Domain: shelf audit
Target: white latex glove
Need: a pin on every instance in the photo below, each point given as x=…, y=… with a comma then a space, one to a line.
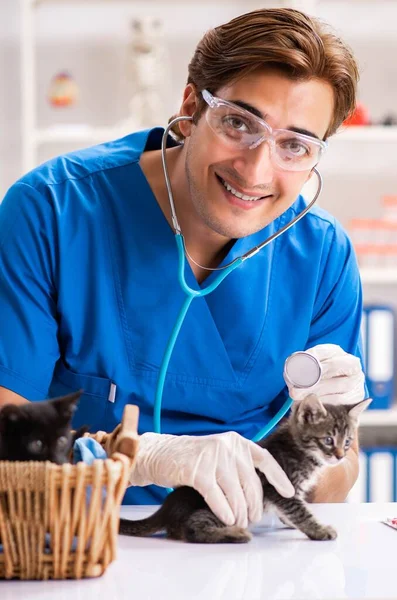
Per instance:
x=221, y=467
x=342, y=379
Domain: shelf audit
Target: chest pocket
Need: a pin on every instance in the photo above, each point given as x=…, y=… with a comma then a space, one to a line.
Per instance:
x=93, y=403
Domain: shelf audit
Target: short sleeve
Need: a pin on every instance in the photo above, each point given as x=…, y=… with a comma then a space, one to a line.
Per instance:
x=28, y=323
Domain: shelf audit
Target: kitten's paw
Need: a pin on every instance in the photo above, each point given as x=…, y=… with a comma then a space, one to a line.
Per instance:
x=332, y=534
x=324, y=533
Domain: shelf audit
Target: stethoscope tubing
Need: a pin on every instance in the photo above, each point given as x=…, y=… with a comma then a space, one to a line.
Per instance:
x=191, y=293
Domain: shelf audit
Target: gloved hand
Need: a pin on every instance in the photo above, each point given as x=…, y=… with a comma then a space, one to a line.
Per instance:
x=342, y=379
x=221, y=467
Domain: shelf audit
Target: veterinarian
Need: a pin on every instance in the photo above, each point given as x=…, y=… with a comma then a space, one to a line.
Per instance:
x=89, y=286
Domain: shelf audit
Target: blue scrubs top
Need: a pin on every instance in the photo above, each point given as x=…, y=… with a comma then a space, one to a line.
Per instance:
x=89, y=294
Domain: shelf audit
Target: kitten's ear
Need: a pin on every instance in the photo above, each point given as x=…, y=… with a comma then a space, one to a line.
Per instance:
x=9, y=414
x=310, y=410
x=356, y=409
x=66, y=405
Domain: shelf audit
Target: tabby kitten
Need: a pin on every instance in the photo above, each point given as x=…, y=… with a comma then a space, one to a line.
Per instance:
x=314, y=437
x=39, y=430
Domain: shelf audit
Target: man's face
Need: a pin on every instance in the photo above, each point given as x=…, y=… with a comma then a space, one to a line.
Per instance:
x=283, y=104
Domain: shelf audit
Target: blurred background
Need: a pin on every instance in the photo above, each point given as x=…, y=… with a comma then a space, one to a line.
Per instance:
x=79, y=72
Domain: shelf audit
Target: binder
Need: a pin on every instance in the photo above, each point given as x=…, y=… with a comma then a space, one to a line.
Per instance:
x=378, y=335
x=377, y=479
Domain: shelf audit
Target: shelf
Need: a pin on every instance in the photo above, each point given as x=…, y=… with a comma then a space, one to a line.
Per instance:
x=381, y=418
x=378, y=275
x=35, y=3
x=39, y=2
x=76, y=133
x=371, y=133
x=59, y=133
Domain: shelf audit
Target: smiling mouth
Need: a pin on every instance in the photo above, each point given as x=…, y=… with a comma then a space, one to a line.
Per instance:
x=238, y=194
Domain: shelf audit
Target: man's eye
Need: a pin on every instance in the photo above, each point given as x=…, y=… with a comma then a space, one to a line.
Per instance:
x=328, y=441
x=236, y=123
x=36, y=446
x=296, y=148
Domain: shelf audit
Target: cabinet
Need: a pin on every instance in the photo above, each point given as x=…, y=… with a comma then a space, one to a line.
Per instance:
x=360, y=166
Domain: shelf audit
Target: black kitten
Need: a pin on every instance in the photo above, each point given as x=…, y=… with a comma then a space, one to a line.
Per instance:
x=313, y=437
x=39, y=430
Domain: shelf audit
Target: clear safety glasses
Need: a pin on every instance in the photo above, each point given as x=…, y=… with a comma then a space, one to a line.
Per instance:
x=241, y=129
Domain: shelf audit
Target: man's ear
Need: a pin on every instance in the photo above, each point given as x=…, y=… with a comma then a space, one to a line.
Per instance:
x=188, y=108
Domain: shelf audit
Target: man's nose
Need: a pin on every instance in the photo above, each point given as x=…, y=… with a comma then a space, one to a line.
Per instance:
x=255, y=165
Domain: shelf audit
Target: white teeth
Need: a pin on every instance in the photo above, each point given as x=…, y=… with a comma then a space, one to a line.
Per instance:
x=237, y=194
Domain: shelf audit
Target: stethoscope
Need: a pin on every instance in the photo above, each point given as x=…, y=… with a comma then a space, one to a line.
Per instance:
x=300, y=369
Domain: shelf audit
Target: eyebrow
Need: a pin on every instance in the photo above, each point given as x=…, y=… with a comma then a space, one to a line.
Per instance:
x=258, y=113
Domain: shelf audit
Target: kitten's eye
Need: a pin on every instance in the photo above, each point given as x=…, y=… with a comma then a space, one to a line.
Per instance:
x=348, y=442
x=36, y=446
x=62, y=442
x=328, y=441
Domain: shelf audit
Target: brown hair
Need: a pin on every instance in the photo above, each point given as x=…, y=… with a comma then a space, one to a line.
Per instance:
x=284, y=39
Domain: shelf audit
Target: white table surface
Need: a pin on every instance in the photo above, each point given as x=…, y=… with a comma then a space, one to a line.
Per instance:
x=278, y=564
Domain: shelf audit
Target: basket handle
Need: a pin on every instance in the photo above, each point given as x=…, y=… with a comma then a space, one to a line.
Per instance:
x=127, y=440
x=124, y=438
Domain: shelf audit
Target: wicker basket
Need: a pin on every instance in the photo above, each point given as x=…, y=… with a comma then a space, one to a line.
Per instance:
x=61, y=521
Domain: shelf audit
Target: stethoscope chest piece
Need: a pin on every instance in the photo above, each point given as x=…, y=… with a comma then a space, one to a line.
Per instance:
x=302, y=370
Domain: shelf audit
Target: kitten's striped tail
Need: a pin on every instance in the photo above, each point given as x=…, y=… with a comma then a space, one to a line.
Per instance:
x=143, y=527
